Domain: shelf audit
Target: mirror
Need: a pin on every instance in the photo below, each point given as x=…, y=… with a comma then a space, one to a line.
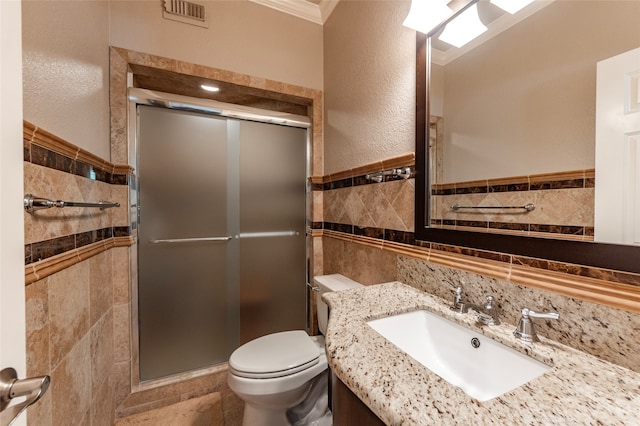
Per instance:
x=513, y=122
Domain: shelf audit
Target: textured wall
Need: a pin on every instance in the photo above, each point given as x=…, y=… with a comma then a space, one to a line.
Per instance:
x=369, y=83
x=524, y=103
x=66, y=56
x=66, y=70
x=242, y=37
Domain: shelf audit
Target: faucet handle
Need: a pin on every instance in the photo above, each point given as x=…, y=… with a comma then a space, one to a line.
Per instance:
x=458, y=304
x=488, y=313
x=525, y=330
x=532, y=314
x=489, y=305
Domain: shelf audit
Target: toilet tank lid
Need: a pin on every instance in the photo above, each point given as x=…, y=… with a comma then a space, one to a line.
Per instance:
x=335, y=282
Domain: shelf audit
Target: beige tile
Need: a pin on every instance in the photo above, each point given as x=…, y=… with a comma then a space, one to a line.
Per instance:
x=120, y=215
x=333, y=255
x=37, y=326
x=369, y=265
x=71, y=385
x=101, y=335
x=39, y=414
x=100, y=285
x=318, y=257
x=233, y=408
x=122, y=381
x=403, y=204
x=121, y=333
x=119, y=152
x=318, y=206
x=353, y=208
x=147, y=396
x=198, y=386
x=202, y=411
x=102, y=406
x=54, y=184
x=120, y=270
x=68, y=309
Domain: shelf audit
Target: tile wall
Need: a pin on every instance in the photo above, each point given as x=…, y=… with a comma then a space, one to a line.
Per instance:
x=600, y=309
x=78, y=298
x=74, y=264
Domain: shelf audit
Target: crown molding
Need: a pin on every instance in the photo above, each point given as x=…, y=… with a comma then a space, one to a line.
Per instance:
x=304, y=9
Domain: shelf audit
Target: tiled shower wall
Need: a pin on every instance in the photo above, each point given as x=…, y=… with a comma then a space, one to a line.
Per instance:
x=76, y=270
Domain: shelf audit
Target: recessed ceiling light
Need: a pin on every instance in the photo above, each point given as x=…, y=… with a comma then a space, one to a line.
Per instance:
x=209, y=88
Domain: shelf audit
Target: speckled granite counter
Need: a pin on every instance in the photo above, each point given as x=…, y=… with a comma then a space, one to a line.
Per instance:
x=579, y=389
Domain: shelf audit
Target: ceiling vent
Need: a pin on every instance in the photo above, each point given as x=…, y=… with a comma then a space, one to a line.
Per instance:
x=185, y=11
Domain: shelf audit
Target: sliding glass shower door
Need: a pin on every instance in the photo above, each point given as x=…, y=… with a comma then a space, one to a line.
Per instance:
x=221, y=244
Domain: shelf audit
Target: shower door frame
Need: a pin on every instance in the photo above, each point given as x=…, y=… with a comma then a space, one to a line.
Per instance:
x=137, y=97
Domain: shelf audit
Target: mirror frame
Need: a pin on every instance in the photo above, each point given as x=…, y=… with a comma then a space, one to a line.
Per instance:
x=587, y=253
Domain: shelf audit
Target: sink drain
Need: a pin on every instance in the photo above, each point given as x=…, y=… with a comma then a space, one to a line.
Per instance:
x=475, y=342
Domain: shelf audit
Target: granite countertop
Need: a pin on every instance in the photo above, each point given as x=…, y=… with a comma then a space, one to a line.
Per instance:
x=578, y=389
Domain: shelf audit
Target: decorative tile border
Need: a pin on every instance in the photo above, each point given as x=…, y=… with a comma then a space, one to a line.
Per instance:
x=358, y=176
x=408, y=239
x=552, y=231
x=42, y=250
x=611, y=288
x=44, y=149
x=539, y=182
x=39, y=270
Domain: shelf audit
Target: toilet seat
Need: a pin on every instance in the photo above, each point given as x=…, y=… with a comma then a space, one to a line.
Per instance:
x=275, y=355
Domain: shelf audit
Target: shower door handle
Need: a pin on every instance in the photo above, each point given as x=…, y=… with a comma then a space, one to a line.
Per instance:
x=268, y=234
x=190, y=240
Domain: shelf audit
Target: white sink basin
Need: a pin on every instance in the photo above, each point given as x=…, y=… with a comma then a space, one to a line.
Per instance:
x=446, y=348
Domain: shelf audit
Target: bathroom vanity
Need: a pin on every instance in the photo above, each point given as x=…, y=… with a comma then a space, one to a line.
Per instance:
x=578, y=388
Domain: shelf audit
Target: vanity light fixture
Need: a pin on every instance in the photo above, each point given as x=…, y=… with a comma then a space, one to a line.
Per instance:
x=209, y=88
x=463, y=28
x=511, y=6
x=425, y=15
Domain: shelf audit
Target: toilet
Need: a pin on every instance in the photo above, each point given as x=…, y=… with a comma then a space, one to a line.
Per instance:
x=274, y=372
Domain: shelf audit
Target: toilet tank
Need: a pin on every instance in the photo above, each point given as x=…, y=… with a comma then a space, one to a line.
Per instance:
x=327, y=283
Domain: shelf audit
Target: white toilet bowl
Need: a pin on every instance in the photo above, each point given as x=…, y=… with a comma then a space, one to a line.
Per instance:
x=268, y=395
x=275, y=372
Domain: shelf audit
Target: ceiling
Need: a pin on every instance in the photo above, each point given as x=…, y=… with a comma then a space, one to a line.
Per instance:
x=317, y=11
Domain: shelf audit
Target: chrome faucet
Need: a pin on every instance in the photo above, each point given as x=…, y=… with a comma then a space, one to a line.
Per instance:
x=487, y=313
x=459, y=304
x=525, y=330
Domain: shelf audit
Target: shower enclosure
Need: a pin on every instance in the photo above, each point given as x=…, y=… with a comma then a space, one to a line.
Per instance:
x=221, y=235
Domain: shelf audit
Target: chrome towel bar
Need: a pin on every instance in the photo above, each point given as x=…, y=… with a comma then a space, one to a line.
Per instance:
x=33, y=203
x=528, y=207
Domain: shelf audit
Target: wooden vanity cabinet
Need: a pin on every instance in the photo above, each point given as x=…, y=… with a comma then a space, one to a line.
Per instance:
x=347, y=408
